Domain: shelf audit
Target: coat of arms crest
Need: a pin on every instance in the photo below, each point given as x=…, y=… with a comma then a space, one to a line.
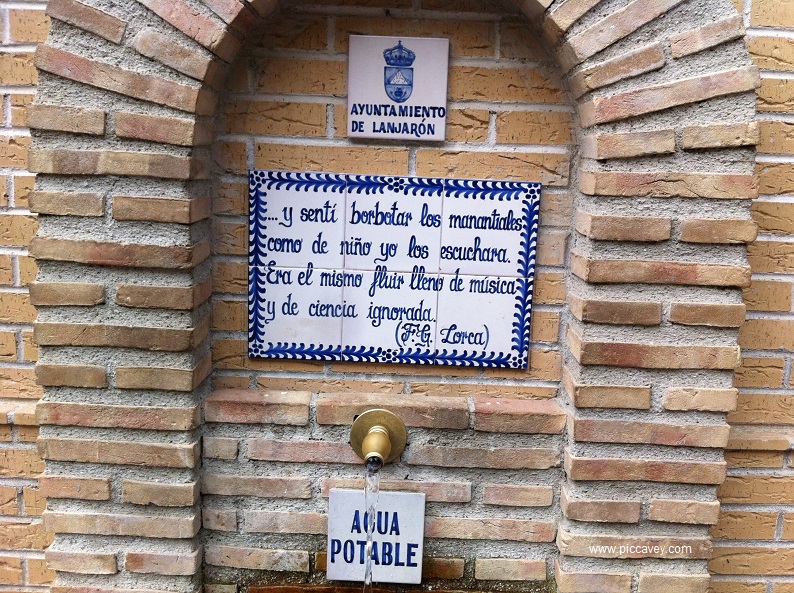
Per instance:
x=398, y=77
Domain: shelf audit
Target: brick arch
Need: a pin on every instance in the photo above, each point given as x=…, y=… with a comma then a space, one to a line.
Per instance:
x=121, y=142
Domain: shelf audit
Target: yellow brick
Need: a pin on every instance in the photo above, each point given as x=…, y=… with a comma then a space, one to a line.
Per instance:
x=772, y=13
x=317, y=77
x=774, y=217
x=534, y=127
x=467, y=125
x=776, y=95
x=20, y=463
x=518, y=42
x=16, y=308
x=17, y=229
x=13, y=149
x=8, y=346
x=549, y=169
x=335, y=159
x=550, y=288
x=231, y=156
x=466, y=38
x=773, y=53
x=10, y=570
x=269, y=117
x=745, y=525
x=8, y=500
x=39, y=573
x=30, y=352
x=34, y=502
x=473, y=83
x=17, y=69
x=286, y=30
x=777, y=137
x=759, y=372
x=28, y=26
x=23, y=185
x=775, y=178
x=19, y=384
x=6, y=277
x=27, y=270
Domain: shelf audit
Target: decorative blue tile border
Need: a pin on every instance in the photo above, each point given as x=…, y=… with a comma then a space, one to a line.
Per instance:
x=299, y=222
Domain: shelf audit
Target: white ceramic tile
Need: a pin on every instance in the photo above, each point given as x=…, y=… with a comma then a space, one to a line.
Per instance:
x=296, y=218
x=393, y=222
x=396, y=318
x=483, y=321
x=295, y=313
x=487, y=226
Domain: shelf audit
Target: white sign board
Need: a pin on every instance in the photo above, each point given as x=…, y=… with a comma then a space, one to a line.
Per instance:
x=397, y=543
x=397, y=88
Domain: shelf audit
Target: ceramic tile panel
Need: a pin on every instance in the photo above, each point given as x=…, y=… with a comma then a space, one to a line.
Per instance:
x=391, y=269
x=394, y=222
x=295, y=219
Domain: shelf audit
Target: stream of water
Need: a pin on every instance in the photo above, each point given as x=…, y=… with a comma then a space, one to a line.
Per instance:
x=371, y=491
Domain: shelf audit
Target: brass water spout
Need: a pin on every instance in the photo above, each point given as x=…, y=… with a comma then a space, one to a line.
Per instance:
x=378, y=435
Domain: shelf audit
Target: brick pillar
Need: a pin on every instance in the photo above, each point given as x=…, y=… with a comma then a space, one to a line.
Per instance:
x=120, y=144
x=656, y=267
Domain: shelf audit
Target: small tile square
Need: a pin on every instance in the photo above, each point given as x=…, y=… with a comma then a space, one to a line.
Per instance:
x=483, y=321
x=296, y=218
x=393, y=222
x=487, y=225
x=396, y=319
x=295, y=313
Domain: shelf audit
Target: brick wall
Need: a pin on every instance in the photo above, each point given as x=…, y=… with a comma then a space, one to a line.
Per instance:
x=121, y=480
x=755, y=526
x=22, y=534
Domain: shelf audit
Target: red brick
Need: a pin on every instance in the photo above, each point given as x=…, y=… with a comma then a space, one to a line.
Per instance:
x=517, y=496
x=183, y=211
x=680, y=583
x=87, y=18
x=615, y=312
x=195, y=25
x=617, y=25
x=123, y=81
x=647, y=356
x=119, y=336
x=171, y=564
x=258, y=558
x=602, y=511
x=167, y=50
x=67, y=203
x=518, y=416
x=684, y=511
x=709, y=314
x=700, y=398
x=218, y=519
x=651, y=470
x=220, y=448
x=509, y=569
x=607, y=396
x=164, y=379
x=63, y=118
x=596, y=430
x=62, y=161
x=71, y=375
x=726, y=231
x=564, y=14
x=663, y=96
x=257, y=486
x=623, y=546
x=719, y=135
x=433, y=491
x=119, y=452
x=707, y=36
x=163, y=297
x=301, y=451
x=626, y=271
x=52, y=486
x=489, y=528
x=163, y=129
x=81, y=562
x=285, y=522
x=585, y=582
x=487, y=458
x=158, y=494
x=623, y=228
x=125, y=525
x=258, y=407
x=626, y=65
x=668, y=184
x=418, y=411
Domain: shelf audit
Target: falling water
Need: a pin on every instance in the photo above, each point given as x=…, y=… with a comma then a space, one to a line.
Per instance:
x=371, y=491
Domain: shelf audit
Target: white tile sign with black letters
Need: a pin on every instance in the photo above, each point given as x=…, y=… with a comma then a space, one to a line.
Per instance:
x=397, y=88
x=397, y=542
x=391, y=269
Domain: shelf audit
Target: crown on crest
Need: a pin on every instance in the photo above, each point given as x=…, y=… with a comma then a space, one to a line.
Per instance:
x=399, y=55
